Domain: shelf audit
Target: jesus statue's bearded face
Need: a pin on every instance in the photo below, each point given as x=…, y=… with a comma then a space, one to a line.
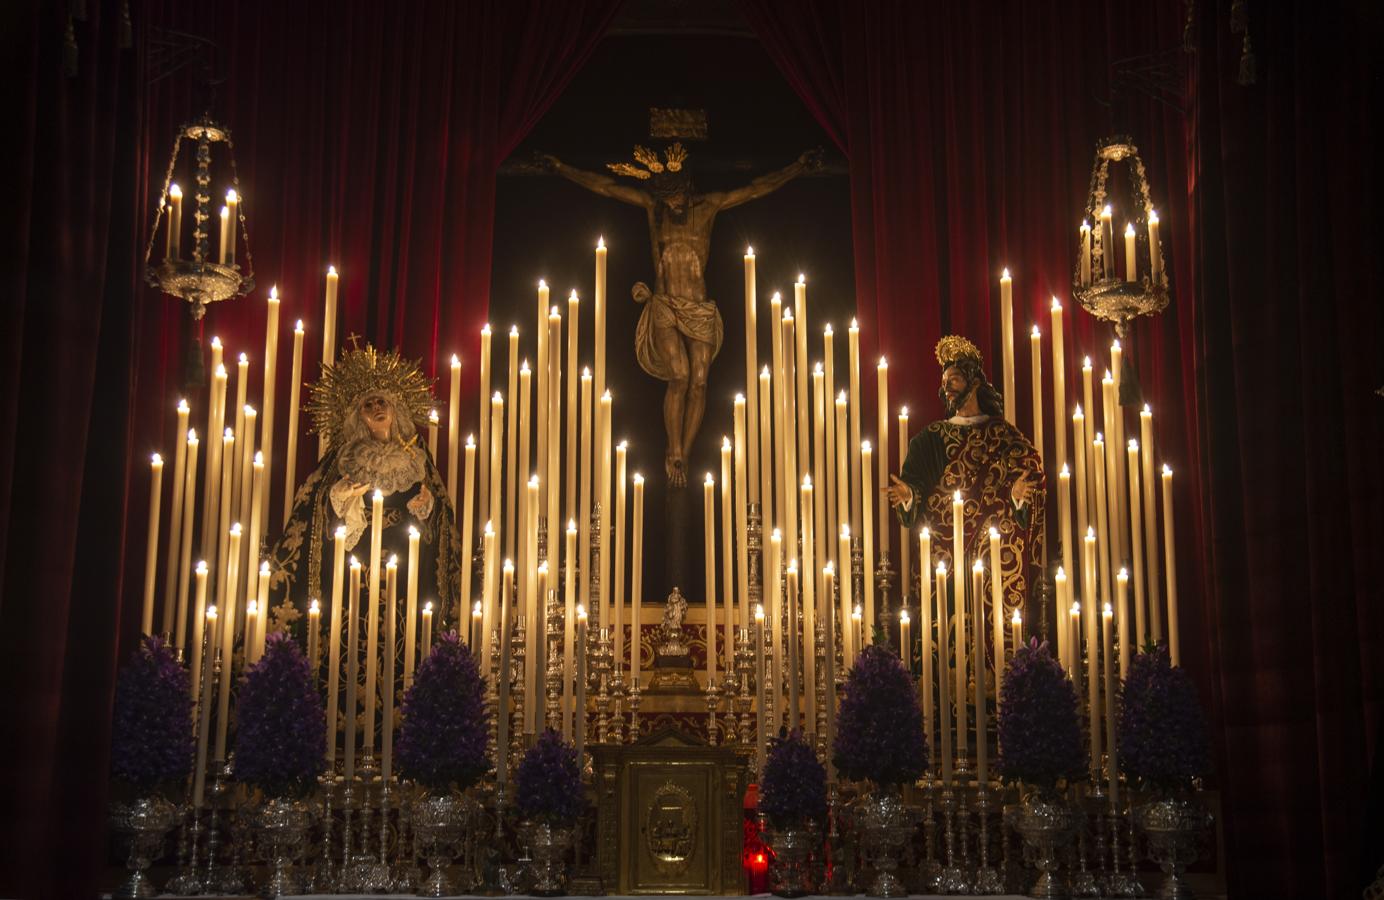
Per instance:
x=956, y=387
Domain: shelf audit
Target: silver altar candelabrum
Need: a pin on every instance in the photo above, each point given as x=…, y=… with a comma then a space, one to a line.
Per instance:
x=517, y=654
x=635, y=700
x=1118, y=883
x=554, y=615
x=988, y=879
x=932, y=869
x=712, y=702
x=954, y=878
x=884, y=581
x=602, y=668
x=617, y=706
x=744, y=668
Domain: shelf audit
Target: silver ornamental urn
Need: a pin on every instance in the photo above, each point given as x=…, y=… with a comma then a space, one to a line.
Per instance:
x=885, y=824
x=790, y=872
x=548, y=845
x=1173, y=826
x=1045, y=822
x=281, y=824
x=146, y=821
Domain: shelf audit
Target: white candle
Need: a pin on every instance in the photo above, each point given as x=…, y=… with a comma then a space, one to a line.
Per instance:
x=554, y=444
x=1074, y=624
x=391, y=618
x=867, y=539
x=584, y=510
x=751, y=367
x=1059, y=385
x=352, y=667
x=485, y=514
x=329, y=338
x=996, y=607
x=904, y=645
x=809, y=610
x=604, y=461
x=829, y=676
x=506, y=631
x=172, y=572
x=271, y=367
x=1136, y=546
x=509, y=521
x=1112, y=748
x=334, y=640
x=761, y=711
x=489, y=613
x=800, y=368
x=1088, y=601
x=223, y=704
x=453, y=433
x=600, y=320
x=959, y=586
x=569, y=626
x=372, y=631
x=1102, y=518
x=834, y=515
x=199, y=781
x=1016, y=625
x=925, y=619
x=621, y=527
x=727, y=558
x=468, y=504
x=978, y=611
x=849, y=650
x=185, y=546
x=294, y=392
x=1085, y=253
x=211, y=479
x=853, y=348
x=1064, y=505
x=1155, y=250
x=1155, y=608
x=882, y=460
x=534, y=631
x=580, y=725
x=764, y=437
x=1107, y=245
x=411, y=607
x=1083, y=492
x=636, y=577
x=709, y=520
x=789, y=422
x=905, y=546
x=1061, y=626
x=542, y=373
x=224, y=522
x=1007, y=337
x=257, y=480
x=199, y=632
x=497, y=442
x=1170, y=565
x=221, y=251
x=1122, y=604
x=525, y=564
x=794, y=643
x=573, y=409
x=1131, y=266
x=822, y=529
x=742, y=498
x=263, y=599
x=232, y=223
x=773, y=583
x=427, y=629
x=1035, y=341
x=151, y=553
x=175, y=222
x=944, y=674
x=242, y=385
x=314, y=637
x=843, y=485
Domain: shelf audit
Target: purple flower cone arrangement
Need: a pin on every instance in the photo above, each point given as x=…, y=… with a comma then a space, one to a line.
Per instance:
x=793, y=788
x=280, y=727
x=1040, y=740
x=548, y=782
x=1161, y=731
x=879, y=727
x=152, y=736
x=442, y=743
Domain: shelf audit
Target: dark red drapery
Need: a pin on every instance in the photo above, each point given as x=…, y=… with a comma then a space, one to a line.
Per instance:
x=367, y=135
x=969, y=130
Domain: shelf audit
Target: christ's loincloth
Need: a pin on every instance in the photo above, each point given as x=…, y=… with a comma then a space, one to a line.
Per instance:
x=698, y=320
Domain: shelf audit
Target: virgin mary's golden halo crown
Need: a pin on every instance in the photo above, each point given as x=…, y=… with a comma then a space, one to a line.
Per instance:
x=361, y=372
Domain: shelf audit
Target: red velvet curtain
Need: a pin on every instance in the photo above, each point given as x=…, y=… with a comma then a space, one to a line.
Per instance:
x=969, y=130
x=366, y=135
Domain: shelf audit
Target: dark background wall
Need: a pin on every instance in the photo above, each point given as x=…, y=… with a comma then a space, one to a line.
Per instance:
x=546, y=227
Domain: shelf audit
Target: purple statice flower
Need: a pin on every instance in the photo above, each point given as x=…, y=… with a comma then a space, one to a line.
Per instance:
x=281, y=731
x=442, y=743
x=794, y=785
x=1039, y=728
x=151, y=733
x=548, y=782
x=1161, y=731
x=879, y=727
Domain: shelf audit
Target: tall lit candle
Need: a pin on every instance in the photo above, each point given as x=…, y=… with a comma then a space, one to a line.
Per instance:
x=295, y=385
x=959, y=580
x=257, y=480
x=1107, y=244
x=943, y=674
x=216, y=423
x=185, y=544
x=834, y=516
x=1016, y=626
x=334, y=640
x=843, y=484
x=800, y=366
x=996, y=606
x=584, y=509
x=1122, y=604
x=742, y=499
x=1035, y=342
x=764, y=438
x=489, y=612
x=554, y=467
x=468, y=522
x=569, y=625
x=1061, y=626
x=794, y=635
x=925, y=619
x=372, y=630
x=329, y=338
x=202, y=640
x=1085, y=253
x=809, y=610
x=882, y=458
x=246, y=438
x=905, y=546
x=175, y=222
x=1083, y=492
x=775, y=436
x=789, y=469
x=1074, y=626
x=509, y=522
x=271, y=368
x=225, y=235
x=1155, y=250
x=172, y=572
x=232, y=225
x=853, y=361
x=494, y=504
x=1064, y=505
x=1114, y=526
x=573, y=407
x=1102, y=517
x=978, y=613
x=262, y=598
x=453, y=430
x=1136, y=546
x=427, y=629
x=752, y=438
x=773, y=581
x=224, y=523
x=227, y=626
x=849, y=650
x=506, y=631
x=760, y=682
x=727, y=558
x=1059, y=385
x=542, y=372
x=867, y=539
x=829, y=676
x=242, y=387
x=434, y=423
x=599, y=329
x=314, y=635
x=621, y=527
x=1131, y=266
x=709, y=521
x=531, y=606
x=1170, y=565
x=1117, y=447
x=208, y=627
x=636, y=577
x=1088, y=404
x=580, y=725
x=604, y=467
x=1088, y=603
x=822, y=529
x=1007, y=338
x=352, y=668
x=411, y=606
x=1112, y=748
x=1155, y=609
x=523, y=466
x=151, y=554
x=484, y=514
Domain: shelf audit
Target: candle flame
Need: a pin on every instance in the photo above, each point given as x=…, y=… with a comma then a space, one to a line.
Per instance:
x=228, y=435
x=297, y=328
x=788, y=314
x=211, y=612
x=543, y=568
x=776, y=298
x=1100, y=439
x=856, y=613
x=903, y=412
x=994, y=535
x=524, y=367
x=485, y=330
x=883, y=363
x=476, y=610
x=865, y=447
x=264, y=569
x=1105, y=212
x=764, y=372
x=807, y=481
x=1061, y=574
x=341, y=532
x=1133, y=445
x=855, y=326
x=818, y=370
x=827, y=330
x=508, y=567
x=1018, y=618
x=977, y=567
x=725, y=443
x=1167, y=471
x=749, y=251
x=841, y=397
x=1108, y=378
x=331, y=271
x=1056, y=304
x=622, y=446
x=792, y=567
x=573, y=298
x=845, y=531
x=1036, y=332
x=456, y=360
x=585, y=372
x=245, y=358
x=427, y=608
x=1075, y=610
x=1124, y=574
x=739, y=399
x=514, y=331
x=413, y=531
x=1108, y=612
x=941, y=569
x=433, y=417
x=174, y=191
x=600, y=242
x=533, y=481
x=606, y=397
x=183, y=407
x=777, y=535
x=497, y=397
x=638, y=480
x=759, y=612
x=1078, y=413
x=571, y=526
x=1153, y=216
x=581, y=612
x=232, y=196
x=956, y=496
x=274, y=294
x=235, y=530
x=1147, y=411
x=471, y=441
x=253, y=608
x=1004, y=276
x=379, y=495
x=542, y=285
x=554, y=314
x=1090, y=532
x=201, y=567
x=156, y=460
x=1115, y=346
x=215, y=342
x=927, y=532
x=1086, y=224
x=355, y=563
x=1086, y=363
x=802, y=279
x=192, y=435
x=221, y=371
x=314, y=608
x=829, y=569
x=1129, y=229
x=1065, y=473
x=393, y=562
x=225, y=212
x=903, y=617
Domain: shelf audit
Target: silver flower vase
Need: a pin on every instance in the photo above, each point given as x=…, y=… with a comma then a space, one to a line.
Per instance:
x=885, y=824
x=281, y=825
x=146, y=821
x=1173, y=827
x=1046, y=823
x=548, y=845
x=438, y=821
x=790, y=872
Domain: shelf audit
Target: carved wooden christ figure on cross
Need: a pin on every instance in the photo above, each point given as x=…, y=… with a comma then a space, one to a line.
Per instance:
x=680, y=330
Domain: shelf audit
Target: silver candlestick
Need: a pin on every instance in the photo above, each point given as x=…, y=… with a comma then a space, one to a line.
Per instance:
x=954, y=879
x=988, y=880
x=711, y=704
x=635, y=700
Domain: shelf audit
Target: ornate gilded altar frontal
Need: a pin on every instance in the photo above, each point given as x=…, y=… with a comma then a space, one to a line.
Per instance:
x=669, y=816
